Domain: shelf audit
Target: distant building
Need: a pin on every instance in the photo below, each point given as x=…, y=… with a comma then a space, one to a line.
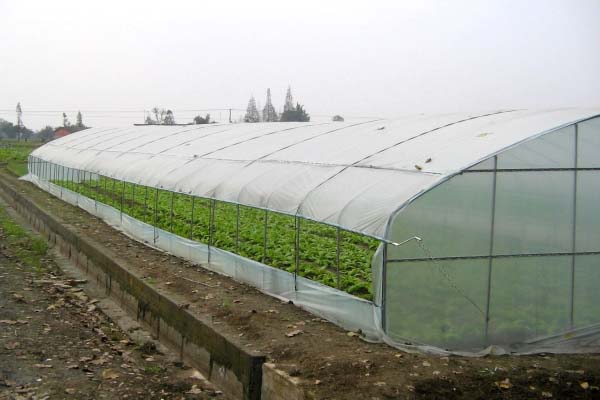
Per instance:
x=61, y=132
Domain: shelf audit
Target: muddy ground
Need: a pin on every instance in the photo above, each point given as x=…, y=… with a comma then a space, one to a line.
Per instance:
x=331, y=363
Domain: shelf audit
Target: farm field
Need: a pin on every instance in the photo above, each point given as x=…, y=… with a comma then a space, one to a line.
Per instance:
x=14, y=154
x=241, y=230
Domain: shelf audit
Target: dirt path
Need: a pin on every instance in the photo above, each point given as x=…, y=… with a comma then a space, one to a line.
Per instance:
x=331, y=363
x=55, y=344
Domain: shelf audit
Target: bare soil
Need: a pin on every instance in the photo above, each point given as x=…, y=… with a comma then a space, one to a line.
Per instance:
x=331, y=363
x=56, y=344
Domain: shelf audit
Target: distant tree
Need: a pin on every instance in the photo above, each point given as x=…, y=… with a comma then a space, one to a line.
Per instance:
x=66, y=122
x=252, y=114
x=79, y=125
x=159, y=114
x=45, y=134
x=7, y=129
x=337, y=118
x=161, y=117
x=289, y=100
x=169, y=118
x=269, y=113
x=199, y=120
x=296, y=114
x=20, y=125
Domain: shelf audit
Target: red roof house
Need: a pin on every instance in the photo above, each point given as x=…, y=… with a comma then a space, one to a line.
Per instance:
x=61, y=132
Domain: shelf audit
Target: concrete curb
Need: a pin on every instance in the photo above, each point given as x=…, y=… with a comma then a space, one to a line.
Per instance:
x=235, y=370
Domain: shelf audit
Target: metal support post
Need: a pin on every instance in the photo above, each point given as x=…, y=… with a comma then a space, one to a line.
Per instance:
x=266, y=222
x=338, y=253
x=237, y=228
x=297, y=252
x=122, y=198
x=155, y=214
x=211, y=227
x=192, y=218
x=171, y=215
x=574, y=234
x=491, y=252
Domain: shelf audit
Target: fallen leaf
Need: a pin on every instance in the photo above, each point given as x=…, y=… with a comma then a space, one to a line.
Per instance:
x=42, y=365
x=426, y=364
x=109, y=374
x=293, y=333
x=546, y=395
x=19, y=298
x=11, y=345
x=70, y=391
x=584, y=385
x=194, y=390
x=352, y=334
x=504, y=384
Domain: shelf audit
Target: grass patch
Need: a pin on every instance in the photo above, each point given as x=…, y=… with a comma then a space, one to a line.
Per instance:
x=29, y=248
x=153, y=369
x=14, y=155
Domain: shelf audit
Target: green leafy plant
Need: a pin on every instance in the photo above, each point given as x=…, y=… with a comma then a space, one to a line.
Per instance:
x=241, y=230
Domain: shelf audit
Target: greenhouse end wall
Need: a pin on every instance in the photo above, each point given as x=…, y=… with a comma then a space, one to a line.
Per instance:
x=510, y=252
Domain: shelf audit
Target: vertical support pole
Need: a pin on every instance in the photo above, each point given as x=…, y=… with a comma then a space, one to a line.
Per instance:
x=113, y=192
x=106, y=195
x=384, y=264
x=192, y=219
x=133, y=202
x=338, y=253
x=62, y=172
x=490, y=253
x=210, y=226
x=237, y=228
x=171, y=215
x=122, y=198
x=97, y=190
x=574, y=233
x=145, y=202
x=297, y=253
x=155, y=213
x=266, y=222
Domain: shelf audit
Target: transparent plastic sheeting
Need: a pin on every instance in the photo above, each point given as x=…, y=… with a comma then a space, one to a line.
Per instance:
x=352, y=175
x=334, y=305
x=509, y=252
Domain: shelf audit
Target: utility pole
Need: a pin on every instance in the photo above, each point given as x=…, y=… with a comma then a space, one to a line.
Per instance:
x=230, y=115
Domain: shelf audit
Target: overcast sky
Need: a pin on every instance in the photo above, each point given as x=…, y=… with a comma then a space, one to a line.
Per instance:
x=355, y=58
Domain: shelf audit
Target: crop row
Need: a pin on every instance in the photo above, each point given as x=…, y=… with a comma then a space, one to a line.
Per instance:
x=326, y=254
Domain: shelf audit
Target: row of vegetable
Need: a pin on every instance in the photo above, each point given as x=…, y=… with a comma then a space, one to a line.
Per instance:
x=322, y=253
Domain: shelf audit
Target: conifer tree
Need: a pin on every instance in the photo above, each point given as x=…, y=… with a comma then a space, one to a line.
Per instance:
x=269, y=113
x=79, y=121
x=252, y=114
x=289, y=100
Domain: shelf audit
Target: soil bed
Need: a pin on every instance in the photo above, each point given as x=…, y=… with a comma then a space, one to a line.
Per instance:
x=331, y=363
x=55, y=343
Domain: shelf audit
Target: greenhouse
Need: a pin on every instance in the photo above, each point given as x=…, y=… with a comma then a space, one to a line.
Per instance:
x=465, y=233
